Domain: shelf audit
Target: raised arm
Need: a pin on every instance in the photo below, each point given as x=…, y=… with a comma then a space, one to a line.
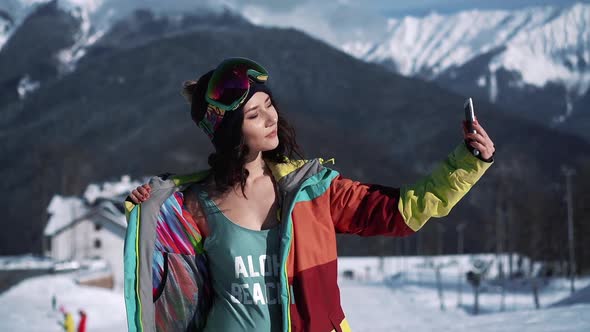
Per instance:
x=370, y=209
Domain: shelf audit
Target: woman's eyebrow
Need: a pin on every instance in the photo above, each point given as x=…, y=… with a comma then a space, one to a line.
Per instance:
x=255, y=107
x=252, y=108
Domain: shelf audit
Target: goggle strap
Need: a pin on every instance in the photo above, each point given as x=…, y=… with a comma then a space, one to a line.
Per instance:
x=259, y=76
x=211, y=120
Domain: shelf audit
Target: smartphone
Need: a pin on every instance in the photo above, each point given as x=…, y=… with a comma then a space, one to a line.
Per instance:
x=470, y=117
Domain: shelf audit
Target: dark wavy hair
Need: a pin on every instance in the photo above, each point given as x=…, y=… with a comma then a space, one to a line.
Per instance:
x=227, y=162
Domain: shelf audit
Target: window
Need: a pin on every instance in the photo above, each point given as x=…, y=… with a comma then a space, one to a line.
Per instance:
x=97, y=227
x=97, y=243
x=48, y=241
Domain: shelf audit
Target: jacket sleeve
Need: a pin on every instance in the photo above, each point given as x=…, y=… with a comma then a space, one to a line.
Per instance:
x=130, y=205
x=370, y=209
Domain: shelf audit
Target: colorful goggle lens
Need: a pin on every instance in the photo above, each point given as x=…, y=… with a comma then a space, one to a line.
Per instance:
x=230, y=82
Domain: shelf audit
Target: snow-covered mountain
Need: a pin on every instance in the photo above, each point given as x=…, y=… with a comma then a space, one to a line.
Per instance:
x=96, y=17
x=533, y=61
x=123, y=86
x=541, y=44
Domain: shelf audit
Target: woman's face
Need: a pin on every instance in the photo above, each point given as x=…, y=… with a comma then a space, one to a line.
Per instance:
x=260, y=123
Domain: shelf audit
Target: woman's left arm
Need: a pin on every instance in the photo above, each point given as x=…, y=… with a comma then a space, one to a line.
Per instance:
x=369, y=209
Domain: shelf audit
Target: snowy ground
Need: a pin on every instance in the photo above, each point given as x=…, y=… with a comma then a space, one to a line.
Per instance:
x=27, y=306
x=400, y=294
x=375, y=308
x=373, y=301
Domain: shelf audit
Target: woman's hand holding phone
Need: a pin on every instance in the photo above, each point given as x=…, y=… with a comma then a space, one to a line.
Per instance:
x=475, y=135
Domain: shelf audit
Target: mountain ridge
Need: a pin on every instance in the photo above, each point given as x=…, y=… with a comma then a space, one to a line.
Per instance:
x=120, y=112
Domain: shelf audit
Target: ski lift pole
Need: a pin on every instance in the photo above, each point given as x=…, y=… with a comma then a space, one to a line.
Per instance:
x=569, y=172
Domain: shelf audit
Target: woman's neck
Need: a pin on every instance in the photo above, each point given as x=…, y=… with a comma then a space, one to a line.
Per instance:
x=256, y=167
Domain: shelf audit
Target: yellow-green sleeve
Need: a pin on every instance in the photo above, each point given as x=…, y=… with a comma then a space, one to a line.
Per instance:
x=436, y=194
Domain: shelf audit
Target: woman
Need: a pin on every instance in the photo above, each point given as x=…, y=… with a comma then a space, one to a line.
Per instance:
x=250, y=244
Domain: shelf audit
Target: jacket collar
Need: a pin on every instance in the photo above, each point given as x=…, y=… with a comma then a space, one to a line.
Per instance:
x=279, y=170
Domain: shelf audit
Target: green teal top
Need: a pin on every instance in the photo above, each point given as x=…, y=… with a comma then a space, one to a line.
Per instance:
x=244, y=266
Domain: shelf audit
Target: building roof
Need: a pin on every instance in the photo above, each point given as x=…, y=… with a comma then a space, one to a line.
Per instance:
x=100, y=203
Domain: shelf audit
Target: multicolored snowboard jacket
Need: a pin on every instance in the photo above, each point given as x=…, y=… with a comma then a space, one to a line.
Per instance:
x=166, y=278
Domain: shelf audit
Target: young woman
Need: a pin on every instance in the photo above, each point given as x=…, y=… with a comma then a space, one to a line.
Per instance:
x=250, y=243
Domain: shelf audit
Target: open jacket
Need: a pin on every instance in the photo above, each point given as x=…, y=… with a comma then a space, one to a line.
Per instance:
x=166, y=277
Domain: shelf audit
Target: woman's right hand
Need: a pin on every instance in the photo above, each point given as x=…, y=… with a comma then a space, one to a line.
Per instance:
x=141, y=194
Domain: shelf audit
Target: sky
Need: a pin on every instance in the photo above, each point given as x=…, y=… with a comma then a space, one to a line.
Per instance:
x=416, y=7
x=390, y=8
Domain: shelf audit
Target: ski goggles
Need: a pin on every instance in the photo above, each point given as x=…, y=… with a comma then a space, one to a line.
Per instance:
x=230, y=83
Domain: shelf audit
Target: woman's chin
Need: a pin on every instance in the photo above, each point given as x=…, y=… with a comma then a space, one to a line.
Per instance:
x=273, y=143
